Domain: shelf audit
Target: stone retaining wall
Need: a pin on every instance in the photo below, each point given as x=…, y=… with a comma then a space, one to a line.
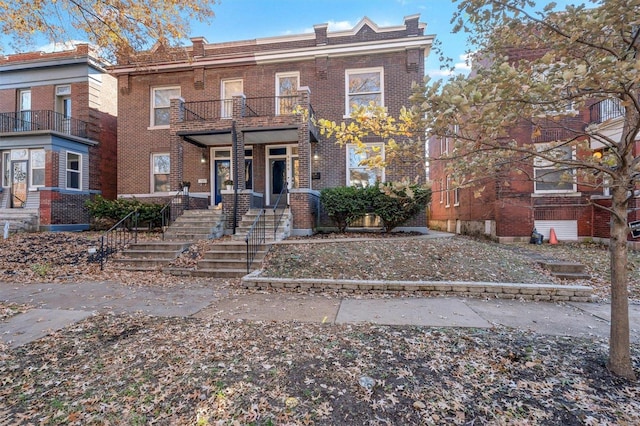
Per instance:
x=546, y=292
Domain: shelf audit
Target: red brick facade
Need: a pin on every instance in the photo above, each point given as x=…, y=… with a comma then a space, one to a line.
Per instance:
x=197, y=131
x=509, y=212
x=72, y=111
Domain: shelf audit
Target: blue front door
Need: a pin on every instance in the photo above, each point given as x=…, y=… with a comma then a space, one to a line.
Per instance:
x=223, y=172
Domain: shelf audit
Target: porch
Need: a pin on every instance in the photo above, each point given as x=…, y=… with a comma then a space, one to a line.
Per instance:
x=252, y=151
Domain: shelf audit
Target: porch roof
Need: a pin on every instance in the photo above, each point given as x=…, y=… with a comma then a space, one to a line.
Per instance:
x=252, y=136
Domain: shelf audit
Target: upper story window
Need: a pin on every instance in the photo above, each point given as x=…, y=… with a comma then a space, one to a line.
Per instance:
x=74, y=170
x=358, y=174
x=287, y=85
x=363, y=86
x=230, y=88
x=160, y=103
x=550, y=177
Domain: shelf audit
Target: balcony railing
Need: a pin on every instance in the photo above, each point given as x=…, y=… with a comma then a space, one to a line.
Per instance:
x=604, y=110
x=251, y=107
x=28, y=121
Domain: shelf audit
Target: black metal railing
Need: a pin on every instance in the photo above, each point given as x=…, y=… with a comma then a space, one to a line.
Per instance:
x=207, y=110
x=255, y=238
x=173, y=210
x=270, y=105
x=281, y=204
x=28, y=121
x=116, y=238
x=605, y=110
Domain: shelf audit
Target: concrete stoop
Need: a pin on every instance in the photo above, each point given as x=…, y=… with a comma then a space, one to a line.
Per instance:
x=566, y=270
x=538, y=292
x=201, y=224
x=146, y=256
x=224, y=260
x=284, y=226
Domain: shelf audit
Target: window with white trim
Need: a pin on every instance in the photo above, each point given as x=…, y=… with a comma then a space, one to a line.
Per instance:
x=456, y=196
x=37, y=167
x=229, y=89
x=287, y=85
x=447, y=192
x=362, y=87
x=74, y=170
x=550, y=177
x=6, y=168
x=358, y=174
x=441, y=190
x=160, y=169
x=160, y=103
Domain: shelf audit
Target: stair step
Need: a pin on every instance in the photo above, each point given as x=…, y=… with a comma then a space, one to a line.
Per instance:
x=142, y=263
x=564, y=267
x=159, y=246
x=212, y=273
x=571, y=275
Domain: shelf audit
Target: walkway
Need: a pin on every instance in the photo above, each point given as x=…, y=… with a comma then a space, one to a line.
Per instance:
x=59, y=305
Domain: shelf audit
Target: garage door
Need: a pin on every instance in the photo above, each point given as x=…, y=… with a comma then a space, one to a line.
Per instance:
x=566, y=230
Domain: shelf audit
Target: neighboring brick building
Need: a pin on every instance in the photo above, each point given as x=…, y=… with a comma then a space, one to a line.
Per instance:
x=510, y=206
x=57, y=135
x=208, y=113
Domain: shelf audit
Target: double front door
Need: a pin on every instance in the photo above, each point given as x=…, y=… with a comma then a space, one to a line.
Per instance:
x=281, y=170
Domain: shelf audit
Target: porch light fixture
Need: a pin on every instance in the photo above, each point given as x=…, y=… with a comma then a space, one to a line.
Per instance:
x=315, y=154
x=203, y=158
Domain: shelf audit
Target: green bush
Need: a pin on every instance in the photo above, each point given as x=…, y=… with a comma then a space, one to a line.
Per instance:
x=395, y=203
x=343, y=204
x=115, y=210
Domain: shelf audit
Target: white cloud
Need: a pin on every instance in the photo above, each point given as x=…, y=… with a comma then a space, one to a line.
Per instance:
x=461, y=67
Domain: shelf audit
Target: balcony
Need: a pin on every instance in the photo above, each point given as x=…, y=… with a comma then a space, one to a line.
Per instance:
x=249, y=107
x=44, y=120
x=604, y=110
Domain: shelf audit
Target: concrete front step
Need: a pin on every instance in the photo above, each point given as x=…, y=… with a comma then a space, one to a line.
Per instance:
x=20, y=220
x=211, y=273
x=566, y=270
x=150, y=255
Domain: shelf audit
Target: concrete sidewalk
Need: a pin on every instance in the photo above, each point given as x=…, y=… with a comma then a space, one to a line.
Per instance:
x=59, y=305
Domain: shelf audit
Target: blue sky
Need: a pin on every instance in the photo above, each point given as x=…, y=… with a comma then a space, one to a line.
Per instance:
x=248, y=19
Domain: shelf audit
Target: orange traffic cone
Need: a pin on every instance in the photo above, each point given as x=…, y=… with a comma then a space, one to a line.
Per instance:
x=552, y=237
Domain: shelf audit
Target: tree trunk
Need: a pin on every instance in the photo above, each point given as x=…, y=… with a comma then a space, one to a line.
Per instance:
x=619, y=343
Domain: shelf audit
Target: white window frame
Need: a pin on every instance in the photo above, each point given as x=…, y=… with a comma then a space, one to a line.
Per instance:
x=540, y=164
x=347, y=97
x=441, y=188
x=447, y=192
x=67, y=170
x=226, y=107
x=153, y=173
x=357, y=167
x=153, y=107
x=279, y=109
x=32, y=167
x=456, y=197
x=6, y=167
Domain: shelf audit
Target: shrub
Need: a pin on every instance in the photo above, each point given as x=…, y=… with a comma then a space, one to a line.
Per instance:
x=343, y=204
x=115, y=210
x=395, y=203
x=398, y=202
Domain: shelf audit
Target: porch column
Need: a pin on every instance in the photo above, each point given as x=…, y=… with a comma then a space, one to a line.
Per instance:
x=176, y=144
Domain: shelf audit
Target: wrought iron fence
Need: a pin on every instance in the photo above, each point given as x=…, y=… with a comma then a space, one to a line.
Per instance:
x=207, y=110
x=270, y=105
x=116, y=238
x=32, y=120
x=173, y=209
x=255, y=238
x=280, y=204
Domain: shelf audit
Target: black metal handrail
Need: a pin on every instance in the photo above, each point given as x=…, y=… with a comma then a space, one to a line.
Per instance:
x=276, y=220
x=173, y=209
x=31, y=120
x=117, y=237
x=255, y=238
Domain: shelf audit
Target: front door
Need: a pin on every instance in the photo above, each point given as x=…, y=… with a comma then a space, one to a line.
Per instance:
x=282, y=170
x=222, y=170
x=18, y=183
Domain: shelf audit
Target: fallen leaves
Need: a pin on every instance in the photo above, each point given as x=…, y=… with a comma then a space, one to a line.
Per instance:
x=183, y=371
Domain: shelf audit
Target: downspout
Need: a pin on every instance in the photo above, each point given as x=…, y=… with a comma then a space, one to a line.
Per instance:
x=234, y=140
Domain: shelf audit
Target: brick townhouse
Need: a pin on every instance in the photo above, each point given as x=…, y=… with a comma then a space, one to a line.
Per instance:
x=243, y=111
x=511, y=206
x=57, y=137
